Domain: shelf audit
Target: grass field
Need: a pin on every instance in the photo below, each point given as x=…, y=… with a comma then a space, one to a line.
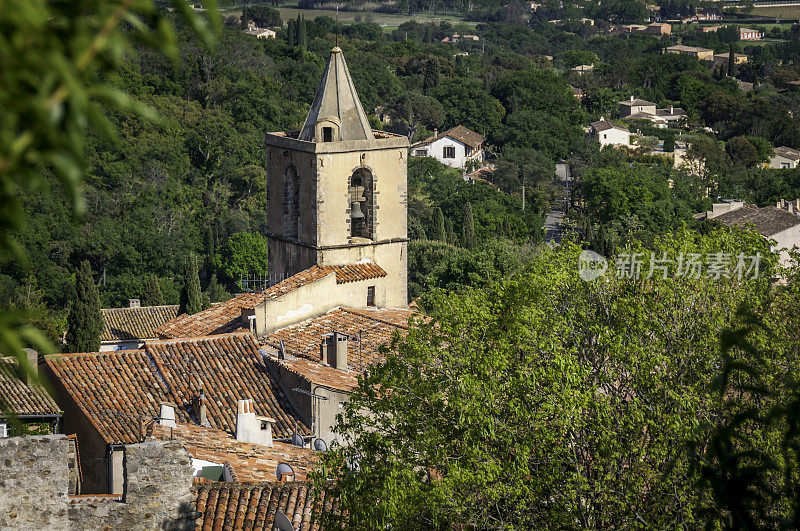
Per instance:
x=388, y=21
x=792, y=12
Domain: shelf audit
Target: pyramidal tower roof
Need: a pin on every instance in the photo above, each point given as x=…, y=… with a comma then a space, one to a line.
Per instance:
x=336, y=100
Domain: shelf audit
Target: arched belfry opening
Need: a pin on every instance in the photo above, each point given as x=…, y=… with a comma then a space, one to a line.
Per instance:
x=291, y=203
x=361, y=204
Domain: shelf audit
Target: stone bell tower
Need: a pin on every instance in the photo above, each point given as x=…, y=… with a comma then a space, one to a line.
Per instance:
x=337, y=189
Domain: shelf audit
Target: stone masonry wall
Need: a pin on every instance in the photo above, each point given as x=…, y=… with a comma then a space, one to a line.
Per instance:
x=35, y=481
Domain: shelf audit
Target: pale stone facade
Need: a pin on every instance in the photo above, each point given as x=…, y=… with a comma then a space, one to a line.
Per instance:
x=317, y=178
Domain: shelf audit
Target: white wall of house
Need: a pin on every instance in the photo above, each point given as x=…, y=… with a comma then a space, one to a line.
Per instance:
x=784, y=242
x=614, y=137
x=627, y=110
x=449, y=152
x=782, y=163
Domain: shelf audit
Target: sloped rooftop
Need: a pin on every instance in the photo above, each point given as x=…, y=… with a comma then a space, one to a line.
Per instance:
x=768, y=221
x=17, y=397
x=368, y=330
x=121, y=324
x=225, y=317
x=459, y=133
x=250, y=462
x=119, y=390
x=235, y=506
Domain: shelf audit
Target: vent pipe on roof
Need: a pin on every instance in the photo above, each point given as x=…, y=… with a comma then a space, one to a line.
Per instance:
x=200, y=409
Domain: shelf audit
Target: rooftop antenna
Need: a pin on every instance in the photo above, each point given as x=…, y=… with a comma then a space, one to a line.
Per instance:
x=337, y=25
x=282, y=521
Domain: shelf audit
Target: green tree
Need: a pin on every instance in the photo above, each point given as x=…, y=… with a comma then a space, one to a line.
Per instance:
x=544, y=386
x=85, y=321
x=439, y=231
x=244, y=254
x=414, y=110
x=216, y=292
x=191, y=296
x=468, y=227
x=302, y=37
x=152, y=292
x=431, y=79
x=291, y=32
x=47, y=109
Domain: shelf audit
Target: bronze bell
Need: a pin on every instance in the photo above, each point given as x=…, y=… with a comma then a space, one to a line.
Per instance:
x=356, y=198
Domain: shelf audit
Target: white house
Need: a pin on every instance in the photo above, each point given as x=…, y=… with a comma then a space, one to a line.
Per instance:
x=784, y=158
x=636, y=106
x=747, y=34
x=455, y=147
x=636, y=109
x=780, y=223
x=610, y=134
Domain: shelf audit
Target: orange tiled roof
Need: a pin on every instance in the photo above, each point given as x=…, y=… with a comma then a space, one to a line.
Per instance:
x=225, y=317
x=369, y=329
x=251, y=462
x=19, y=398
x=135, y=323
x=117, y=390
x=459, y=133
x=317, y=373
x=236, y=506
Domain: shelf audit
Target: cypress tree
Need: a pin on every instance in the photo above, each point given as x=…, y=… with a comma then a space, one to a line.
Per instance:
x=302, y=37
x=451, y=233
x=191, y=297
x=439, y=231
x=468, y=227
x=85, y=321
x=152, y=292
x=731, y=62
x=431, y=79
x=291, y=28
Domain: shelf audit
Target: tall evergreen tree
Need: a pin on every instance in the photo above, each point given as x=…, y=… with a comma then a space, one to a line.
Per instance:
x=731, y=61
x=191, y=297
x=468, y=227
x=291, y=30
x=439, y=231
x=431, y=79
x=152, y=292
x=85, y=321
x=302, y=36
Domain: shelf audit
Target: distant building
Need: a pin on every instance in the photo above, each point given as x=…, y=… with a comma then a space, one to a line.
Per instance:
x=458, y=38
x=635, y=106
x=455, y=147
x=259, y=33
x=702, y=54
x=128, y=328
x=747, y=34
x=708, y=29
x=577, y=93
x=610, y=134
x=658, y=28
x=784, y=158
x=637, y=109
x=722, y=58
x=582, y=69
x=780, y=223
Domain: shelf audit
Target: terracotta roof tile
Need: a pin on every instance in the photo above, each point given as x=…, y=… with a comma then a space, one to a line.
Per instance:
x=225, y=317
x=224, y=505
x=135, y=323
x=117, y=390
x=251, y=462
x=459, y=133
x=368, y=329
x=19, y=398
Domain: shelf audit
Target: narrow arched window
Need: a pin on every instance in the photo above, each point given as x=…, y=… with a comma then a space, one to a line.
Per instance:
x=362, y=222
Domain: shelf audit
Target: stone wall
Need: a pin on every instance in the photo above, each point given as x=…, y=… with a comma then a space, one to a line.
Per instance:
x=35, y=482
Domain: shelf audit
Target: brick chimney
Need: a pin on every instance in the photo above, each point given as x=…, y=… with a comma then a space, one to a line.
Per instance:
x=250, y=428
x=333, y=350
x=33, y=363
x=200, y=410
